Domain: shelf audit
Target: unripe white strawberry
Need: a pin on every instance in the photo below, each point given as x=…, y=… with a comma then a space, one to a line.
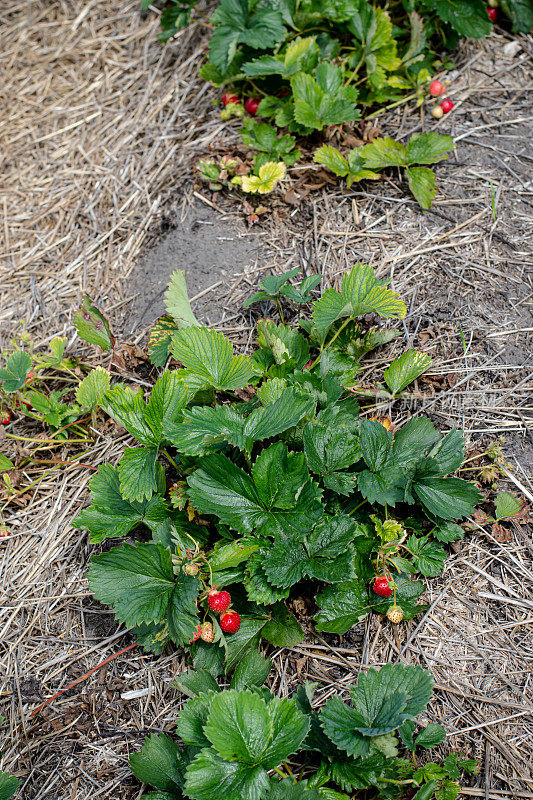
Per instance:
x=395, y=614
x=437, y=112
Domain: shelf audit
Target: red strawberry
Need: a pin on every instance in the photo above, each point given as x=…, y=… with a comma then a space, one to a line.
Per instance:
x=29, y=376
x=447, y=105
x=197, y=633
x=381, y=586
x=5, y=418
x=436, y=89
x=218, y=601
x=230, y=622
x=206, y=632
x=493, y=13
x=229, y=98
x=251, y=105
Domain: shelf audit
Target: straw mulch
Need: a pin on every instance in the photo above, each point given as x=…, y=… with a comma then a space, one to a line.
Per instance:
x=100, y=128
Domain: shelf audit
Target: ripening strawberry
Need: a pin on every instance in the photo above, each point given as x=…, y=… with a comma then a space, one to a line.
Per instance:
x=207, y=634
x=447, y=106
x=197, y=633
x=191, y=569
x=436, y=89
x=29, y=376
x=382, y=586
x=493, y=13
x=251, y=105
x=229, y=98
x=5, y=417
x=218, y=601
x=230, y=622
x=437, y=112
x=395, y=614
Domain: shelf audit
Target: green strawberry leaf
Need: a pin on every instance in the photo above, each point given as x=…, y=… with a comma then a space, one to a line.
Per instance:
x=430, y=736
x=92, y=389
x=405, y=369
x=428, y=557
x=326, y=554
x=209, y=360
x=447, y=498
x=210, y=776
x=110, y=515
x=137, y=473
x=252, y=670
x=428, y=148
x=383, y=153
x=5, y=463
x=469, y=19
x=8, y=785
x=341, y=606
x=277, y=498
x=160, y=763
x=381, y=702
x=507, y=505
x=139, y=583
x=282, y=629
x=193, y=718
x=15, y=372
x=236, y=24
x=177, y=301
x=93, y=326
x=160, y=339
x=360, y=294
x=422, y=185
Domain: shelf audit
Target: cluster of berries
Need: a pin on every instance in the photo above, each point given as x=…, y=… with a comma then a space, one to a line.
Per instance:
x=230, y=621
x=251, y=104
x=437, y=89
x=382, y=587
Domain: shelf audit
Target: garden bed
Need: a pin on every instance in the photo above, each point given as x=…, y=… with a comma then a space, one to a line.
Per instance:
x=121, y=194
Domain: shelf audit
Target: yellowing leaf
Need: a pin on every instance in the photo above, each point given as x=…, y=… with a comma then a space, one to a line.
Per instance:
x=269, y=174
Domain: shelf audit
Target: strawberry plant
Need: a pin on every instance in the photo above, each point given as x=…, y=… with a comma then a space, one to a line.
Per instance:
x=8, y=785
x=363, y=162
x=237, y=742
x=263, y=476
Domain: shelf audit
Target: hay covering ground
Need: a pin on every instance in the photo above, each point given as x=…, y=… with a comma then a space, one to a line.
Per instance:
x=99, y=130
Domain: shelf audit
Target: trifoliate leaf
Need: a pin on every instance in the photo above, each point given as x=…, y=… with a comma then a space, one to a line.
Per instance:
x=428, y=148
x=160, y=763
x=177, y=301
x=110, y=515
x=360, y=294
x=92, y=389
x=405, y=369
x=278, y=497
x=235, y=24
x=331, y=444
x=283, y=342
x=208, y=358
x=92, y=325
x=265, y=182
x=341, y=606
x=325, y=554
x=139, y=583
x=15, y=372
x=381, y=702
x=507, y=505
x=242, y=727
x=422, y=184
x=320, y=100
